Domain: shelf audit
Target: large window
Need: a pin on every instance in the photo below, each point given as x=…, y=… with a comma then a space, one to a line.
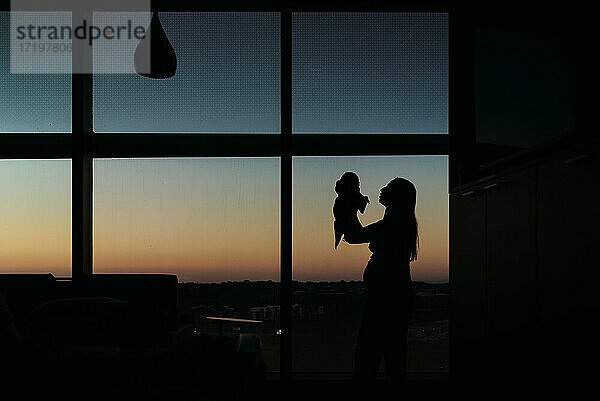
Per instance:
x=224, y=174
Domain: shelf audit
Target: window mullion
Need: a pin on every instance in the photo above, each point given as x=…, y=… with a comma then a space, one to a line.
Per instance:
x=81, y=167
x=286, y=195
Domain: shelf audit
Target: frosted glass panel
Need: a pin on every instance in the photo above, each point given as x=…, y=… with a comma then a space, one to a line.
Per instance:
x=31, y=103
x=214, y=222
x=329, y=293
x=313, y=195
x=370, y=73
x=35, y=216
x=227, y=80
x=204, y=219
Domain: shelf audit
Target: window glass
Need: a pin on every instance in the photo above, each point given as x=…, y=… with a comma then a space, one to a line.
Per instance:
x=328, y=289
x=370, y=73
x=35, y=216
x=227, y=79
x=214, y=222
x=32, y=102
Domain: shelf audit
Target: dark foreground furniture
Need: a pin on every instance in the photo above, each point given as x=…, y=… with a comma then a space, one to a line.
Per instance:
x=109, y=334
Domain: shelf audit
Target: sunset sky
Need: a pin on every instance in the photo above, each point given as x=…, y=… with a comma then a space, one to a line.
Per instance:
x=35, y=216
x=314, y=178
x=206, y=219
x=217, y=219
x=211, y=220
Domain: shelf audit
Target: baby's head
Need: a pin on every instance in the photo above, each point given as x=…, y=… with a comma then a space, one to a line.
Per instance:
x=347, y=184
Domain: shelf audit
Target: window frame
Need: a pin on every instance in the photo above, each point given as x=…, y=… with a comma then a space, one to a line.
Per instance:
x=82, y=146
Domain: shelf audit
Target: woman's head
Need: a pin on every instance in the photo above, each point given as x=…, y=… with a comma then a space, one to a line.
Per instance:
x=399, y=197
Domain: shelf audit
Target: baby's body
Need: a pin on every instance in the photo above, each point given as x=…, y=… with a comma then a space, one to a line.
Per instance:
x=344, y=212
x=348, y=202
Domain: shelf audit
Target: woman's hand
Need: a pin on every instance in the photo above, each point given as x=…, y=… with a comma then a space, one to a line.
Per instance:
x=352, y=239
x=358, y=234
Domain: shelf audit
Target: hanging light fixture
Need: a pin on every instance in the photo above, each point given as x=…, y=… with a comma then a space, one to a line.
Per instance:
x=154, y=56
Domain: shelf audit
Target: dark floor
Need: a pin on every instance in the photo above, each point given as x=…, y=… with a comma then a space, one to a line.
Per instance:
x=315, y=389
x=320, y=387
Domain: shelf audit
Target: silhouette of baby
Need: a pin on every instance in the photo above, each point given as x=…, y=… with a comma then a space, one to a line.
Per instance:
x=347, y=203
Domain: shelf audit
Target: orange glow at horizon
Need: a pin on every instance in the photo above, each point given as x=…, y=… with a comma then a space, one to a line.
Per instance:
x=314, y=256
x=35, y=216
x=205, y=219
x=211, y=219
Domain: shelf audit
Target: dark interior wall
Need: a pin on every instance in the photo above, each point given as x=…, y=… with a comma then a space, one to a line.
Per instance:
x=523, y=268
x=522, y=239
x=524, y=80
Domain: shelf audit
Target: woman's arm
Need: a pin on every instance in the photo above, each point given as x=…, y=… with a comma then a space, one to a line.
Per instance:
x=357, y=234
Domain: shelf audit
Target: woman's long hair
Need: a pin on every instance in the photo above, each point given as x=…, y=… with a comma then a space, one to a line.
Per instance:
x=402, y=202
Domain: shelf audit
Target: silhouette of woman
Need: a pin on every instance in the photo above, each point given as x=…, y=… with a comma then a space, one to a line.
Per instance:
x=393, y=241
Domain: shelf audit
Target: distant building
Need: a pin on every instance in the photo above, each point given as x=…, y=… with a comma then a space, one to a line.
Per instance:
x=298, y=311
x=269, y=312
